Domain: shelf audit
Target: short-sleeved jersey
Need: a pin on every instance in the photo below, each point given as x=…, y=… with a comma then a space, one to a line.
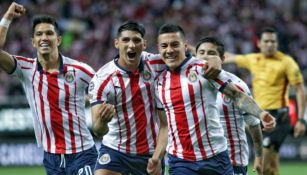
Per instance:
x=271, y=77
x=189, y=100
x=134, y=128
x=233, y=121
x=57, y=103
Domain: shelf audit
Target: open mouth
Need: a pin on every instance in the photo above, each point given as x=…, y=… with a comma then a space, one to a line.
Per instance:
x=131, y=54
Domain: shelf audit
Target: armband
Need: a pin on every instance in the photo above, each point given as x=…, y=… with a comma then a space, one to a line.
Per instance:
x=5, y=22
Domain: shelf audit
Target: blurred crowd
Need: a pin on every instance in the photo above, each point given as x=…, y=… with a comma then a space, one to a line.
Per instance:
x=89, y=26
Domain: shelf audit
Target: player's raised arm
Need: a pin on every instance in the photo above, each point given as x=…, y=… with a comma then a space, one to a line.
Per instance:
x=7, y=63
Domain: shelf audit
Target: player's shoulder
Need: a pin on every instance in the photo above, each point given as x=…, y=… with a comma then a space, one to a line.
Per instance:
x=24, y=59
x=285, y=57
x=237, y=81
x=75, y=63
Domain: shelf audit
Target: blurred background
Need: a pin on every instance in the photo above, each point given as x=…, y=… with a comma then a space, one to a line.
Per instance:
x=88, y=28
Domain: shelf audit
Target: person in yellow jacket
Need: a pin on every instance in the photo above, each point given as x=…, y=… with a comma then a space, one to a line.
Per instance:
x=272, y=73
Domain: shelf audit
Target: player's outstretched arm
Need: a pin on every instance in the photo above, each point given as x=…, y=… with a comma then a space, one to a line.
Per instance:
x=154, y=163
x=101, y=116
x=248, y=104
x=229, y=58
x=15, y=10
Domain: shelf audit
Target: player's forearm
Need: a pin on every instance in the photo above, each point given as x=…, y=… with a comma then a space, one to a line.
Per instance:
x=243, y=101
x=100, y=129
x=301, y=99
x=256, y=134
x=161, y=143
x=4, y=25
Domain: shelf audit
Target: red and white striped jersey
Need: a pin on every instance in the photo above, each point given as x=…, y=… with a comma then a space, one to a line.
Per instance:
x=233, y=121
x=195, y=131
x=134, y=128
x=57, y=103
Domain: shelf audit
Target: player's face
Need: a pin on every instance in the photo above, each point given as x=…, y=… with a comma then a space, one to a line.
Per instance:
x=172, y=49
x=206, y=49
x=45, y=39
x=130, y=45
x=268, y=44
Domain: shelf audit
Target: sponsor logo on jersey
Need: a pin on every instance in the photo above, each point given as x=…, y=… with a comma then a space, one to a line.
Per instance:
x=104, y=159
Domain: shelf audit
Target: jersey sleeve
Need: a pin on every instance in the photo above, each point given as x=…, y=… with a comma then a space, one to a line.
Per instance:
x=86, y=73
x=100, y=88
x=293, y=72
x=154, y=63
x=22, y=64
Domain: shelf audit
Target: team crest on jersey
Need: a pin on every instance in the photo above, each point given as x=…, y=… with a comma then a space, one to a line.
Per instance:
x=146, y=75
x=104, y=159
x=192, y=77
x=69, y=77
x=226, y=99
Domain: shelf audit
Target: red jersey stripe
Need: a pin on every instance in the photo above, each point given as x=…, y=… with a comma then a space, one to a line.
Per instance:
x=56, y=113
x=140, y=119
x=180, y=116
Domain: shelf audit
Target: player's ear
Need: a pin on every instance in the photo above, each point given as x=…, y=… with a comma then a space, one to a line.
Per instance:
x=116, y=43
x=59, y=38
x=33, y=43
x=145, y=44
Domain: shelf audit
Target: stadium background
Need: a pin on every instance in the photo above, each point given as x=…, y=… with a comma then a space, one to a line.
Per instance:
x=89, y=27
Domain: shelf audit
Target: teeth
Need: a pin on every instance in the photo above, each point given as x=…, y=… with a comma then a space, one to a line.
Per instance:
x=45, y=45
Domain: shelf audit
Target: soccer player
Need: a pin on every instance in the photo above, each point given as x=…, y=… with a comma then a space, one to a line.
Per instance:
x=273, y=72
x=196, y=142
x=232, y=118
x=55, y=88
x=127, y=82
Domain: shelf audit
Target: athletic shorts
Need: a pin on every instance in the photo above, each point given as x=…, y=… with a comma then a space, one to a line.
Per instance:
x=240, y=170
x=219, y=164
x=114, y=160
x=82, y=163
x=279, y=134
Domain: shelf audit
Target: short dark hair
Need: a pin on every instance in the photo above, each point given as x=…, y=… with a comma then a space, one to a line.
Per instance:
x=132, y=26
x=170, y=28
x=45, y=19
x=267, y=30
x=215, y=41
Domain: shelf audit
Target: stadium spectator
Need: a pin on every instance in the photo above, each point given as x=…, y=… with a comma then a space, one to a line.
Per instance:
x=273, y=72
x=55, y=88
x=232, y=118
x=196, y=142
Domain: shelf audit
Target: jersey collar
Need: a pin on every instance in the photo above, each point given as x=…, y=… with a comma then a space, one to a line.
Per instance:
x=61, y=68
x=141, y=65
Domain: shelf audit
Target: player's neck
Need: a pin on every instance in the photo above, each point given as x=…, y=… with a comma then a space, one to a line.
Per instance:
x=49, y=62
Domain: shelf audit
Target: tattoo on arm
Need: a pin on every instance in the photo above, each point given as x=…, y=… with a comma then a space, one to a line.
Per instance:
x=256, y=134
x=243, y=101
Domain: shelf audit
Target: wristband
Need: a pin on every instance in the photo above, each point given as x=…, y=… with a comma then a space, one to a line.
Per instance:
x=5, y=22
x=302, y=120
